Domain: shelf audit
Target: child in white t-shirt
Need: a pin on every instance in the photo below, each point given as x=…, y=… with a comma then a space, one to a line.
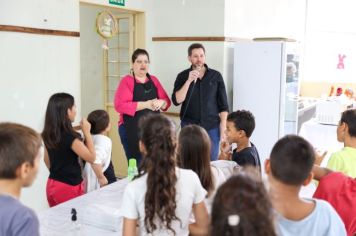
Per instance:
x=162, y=197
x=194, y=154
x=94, y=173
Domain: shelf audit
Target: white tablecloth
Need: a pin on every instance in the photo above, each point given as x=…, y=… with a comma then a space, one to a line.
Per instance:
x=321, y=136
x=57, y=220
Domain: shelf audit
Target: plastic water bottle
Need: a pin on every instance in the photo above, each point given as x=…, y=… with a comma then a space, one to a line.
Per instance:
x=132, y=169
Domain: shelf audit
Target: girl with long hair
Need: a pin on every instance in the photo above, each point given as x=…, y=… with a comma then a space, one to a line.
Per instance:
x=162, y=197
x=63, y=149
x=194, y=154
x=242, y=207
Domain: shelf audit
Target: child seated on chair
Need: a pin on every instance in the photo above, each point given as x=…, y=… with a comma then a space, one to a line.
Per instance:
x=94, y=173
x=239, y=127
x=20, y=153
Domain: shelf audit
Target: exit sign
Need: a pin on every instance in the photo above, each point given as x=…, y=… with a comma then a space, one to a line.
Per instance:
x=117, y=2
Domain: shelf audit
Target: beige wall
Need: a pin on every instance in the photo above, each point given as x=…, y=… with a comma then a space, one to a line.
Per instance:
x=317, y=89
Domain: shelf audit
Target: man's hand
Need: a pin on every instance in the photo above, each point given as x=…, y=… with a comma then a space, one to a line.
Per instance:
x=193, y=76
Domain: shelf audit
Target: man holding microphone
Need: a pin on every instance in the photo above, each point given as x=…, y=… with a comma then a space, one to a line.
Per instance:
x=201, y=91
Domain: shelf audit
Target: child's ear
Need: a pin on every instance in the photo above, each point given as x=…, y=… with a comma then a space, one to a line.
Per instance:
x=267, y=166
x=23, y=171
x=309, y=179
x=345, y=128
x=243, y=133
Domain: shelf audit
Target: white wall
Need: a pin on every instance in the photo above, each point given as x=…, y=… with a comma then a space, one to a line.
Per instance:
x=330, y=32
x=51, y=14
x=91, y=60
x=274, y=18
x=33, y=67
x=194, y=18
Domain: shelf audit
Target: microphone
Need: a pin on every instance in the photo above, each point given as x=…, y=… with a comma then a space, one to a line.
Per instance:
x=197, y=68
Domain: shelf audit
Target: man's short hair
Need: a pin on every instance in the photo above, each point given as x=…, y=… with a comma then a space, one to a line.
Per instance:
x=99, y=120
x=243, y=120
x=349, y=117
x=292, y=160
x=19, y=144
x=195, y=46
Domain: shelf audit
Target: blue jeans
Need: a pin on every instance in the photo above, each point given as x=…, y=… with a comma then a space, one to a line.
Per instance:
x=123, y=137
x=214, y=135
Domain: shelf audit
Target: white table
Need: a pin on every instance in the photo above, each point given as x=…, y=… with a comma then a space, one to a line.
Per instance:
x=57, y=220
x=321, y=136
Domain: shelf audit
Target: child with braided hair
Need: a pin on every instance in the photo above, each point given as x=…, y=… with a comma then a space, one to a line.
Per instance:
x=162, y=197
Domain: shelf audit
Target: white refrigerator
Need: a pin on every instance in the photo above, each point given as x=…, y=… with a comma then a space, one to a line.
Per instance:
x=266, y=83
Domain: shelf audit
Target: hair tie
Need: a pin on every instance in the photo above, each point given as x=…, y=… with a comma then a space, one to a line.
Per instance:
x=233, y=220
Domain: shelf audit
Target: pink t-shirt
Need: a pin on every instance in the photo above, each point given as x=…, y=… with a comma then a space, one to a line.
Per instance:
x=340, y=191
x=124, y=95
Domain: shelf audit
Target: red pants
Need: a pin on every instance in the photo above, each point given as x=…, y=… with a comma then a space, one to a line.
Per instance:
x=58, y=192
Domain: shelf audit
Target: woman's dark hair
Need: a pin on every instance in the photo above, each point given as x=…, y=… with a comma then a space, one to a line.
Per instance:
x=99, y=120
x=157, y=135
x=242, y=207
x=138, y=52
x=57, y=121
x=194, y=154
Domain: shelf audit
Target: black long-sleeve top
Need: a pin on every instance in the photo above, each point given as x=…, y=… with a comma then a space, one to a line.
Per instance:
x=207, y=98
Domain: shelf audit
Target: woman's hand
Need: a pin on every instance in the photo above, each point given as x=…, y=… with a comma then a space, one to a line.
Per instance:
x=158, y=104
x=145, y=105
